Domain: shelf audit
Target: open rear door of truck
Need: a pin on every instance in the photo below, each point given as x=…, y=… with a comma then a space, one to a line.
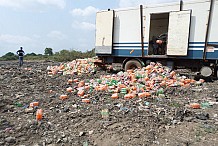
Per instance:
x=104, y=32
x=178, y=33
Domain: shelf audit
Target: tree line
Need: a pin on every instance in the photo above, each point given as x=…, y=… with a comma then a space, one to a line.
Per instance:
x=63, y=55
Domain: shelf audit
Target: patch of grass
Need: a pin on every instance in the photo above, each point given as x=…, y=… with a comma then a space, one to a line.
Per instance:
x=175, y=104
x=203, y=130
x=198, y=134
x=209, y=128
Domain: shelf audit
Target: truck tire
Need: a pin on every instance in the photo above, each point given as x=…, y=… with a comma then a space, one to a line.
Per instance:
x=206, y=71
x=132, y=64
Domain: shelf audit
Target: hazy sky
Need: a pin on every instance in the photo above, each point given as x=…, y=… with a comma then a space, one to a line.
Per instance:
x=57, y=24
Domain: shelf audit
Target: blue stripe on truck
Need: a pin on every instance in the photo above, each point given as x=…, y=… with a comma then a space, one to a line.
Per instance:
x=133, y=49
x=192, y=54
x=128, y=52
x=139, y=43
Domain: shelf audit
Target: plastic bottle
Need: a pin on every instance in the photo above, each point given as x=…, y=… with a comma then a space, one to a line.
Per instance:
x=91, y=89
x=160, y=91
x=39, y=114
x=123, y=91
x=99, y=81
x=105, y=113
x=205, y=105
x=138, y=76
x=18, y=104
x=114, y=82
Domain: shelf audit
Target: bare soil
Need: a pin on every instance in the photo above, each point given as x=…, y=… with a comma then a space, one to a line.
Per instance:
x=157, y=121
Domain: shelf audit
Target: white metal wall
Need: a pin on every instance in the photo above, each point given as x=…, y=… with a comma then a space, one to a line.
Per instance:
x=213, y=37
x=200, y=13
x=104, y=32
x=127, y=26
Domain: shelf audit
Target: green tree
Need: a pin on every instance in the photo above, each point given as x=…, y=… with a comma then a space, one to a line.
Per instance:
x=89, y=54
x=48, y=51
x=9, y=56
x=31, y=54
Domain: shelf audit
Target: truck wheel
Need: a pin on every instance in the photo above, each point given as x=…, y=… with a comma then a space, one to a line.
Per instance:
x=206, y=71
x=132, y=64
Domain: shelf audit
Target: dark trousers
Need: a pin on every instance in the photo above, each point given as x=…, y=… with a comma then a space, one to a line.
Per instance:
x=20, y=61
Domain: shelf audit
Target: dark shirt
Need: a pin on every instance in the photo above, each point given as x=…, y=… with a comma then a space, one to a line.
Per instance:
x=163, y=37
x=20, y=52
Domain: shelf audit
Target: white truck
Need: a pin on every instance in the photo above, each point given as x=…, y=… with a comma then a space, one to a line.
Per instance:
x=129, y=36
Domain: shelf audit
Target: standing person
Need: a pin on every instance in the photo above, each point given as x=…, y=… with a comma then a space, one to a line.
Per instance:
x=20, y=53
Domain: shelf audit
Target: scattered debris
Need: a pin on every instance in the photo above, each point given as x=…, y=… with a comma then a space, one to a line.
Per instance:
x=147, y=106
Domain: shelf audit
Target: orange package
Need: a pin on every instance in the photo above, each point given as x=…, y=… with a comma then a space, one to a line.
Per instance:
x=33, y=104
x=195, y=105
x=81, y=84
x=63, y=97
x=115, y=96
x=141, y=95
x=80, y=92
x=86, y=100
x=70, y=81
x=69, y=89
x=39, y=114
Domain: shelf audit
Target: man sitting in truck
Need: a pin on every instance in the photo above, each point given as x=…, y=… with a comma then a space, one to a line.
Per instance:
x=159, y=44
x=154, y=45
x=162, y=43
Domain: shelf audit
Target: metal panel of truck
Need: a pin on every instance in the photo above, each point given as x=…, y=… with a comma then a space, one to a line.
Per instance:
x=199, y=17
x=127, y=33
x=178, y=33
x=104, y=32
x=212, y=44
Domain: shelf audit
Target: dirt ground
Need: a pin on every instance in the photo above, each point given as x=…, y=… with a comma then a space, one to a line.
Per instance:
x=163, y=121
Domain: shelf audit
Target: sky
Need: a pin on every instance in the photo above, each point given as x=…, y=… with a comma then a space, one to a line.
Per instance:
x=57, y=24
